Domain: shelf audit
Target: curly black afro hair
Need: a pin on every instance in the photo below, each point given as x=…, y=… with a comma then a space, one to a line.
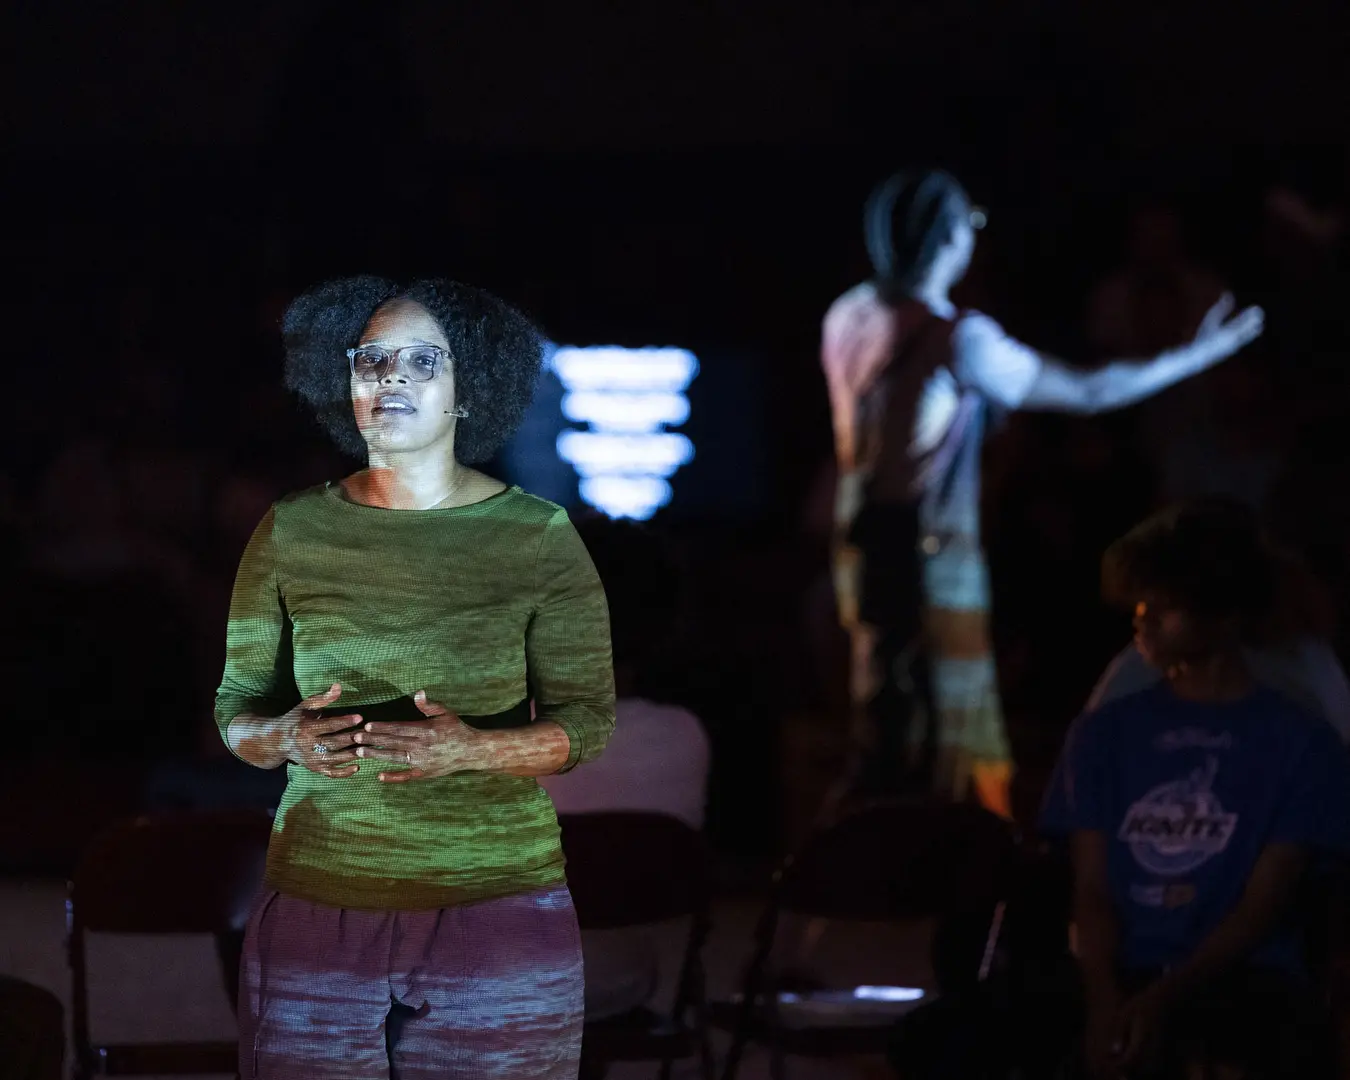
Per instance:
x=497, y=355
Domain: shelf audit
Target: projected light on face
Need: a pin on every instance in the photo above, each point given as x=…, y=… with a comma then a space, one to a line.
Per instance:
x=627, y=398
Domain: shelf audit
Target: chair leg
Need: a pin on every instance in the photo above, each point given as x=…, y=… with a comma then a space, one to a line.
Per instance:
x=751, y=989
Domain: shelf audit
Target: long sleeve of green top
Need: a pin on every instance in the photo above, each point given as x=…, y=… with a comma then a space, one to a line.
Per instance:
x=484, y=607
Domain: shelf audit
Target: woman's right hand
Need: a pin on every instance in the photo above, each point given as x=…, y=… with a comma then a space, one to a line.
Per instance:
x=312, y=741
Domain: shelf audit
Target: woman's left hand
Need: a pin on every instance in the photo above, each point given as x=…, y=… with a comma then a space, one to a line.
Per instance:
x=441, y=746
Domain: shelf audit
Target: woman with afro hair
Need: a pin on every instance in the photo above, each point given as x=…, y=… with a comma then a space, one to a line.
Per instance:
x=416, y=643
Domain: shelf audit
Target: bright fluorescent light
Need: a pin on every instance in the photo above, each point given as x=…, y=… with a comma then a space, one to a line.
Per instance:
x=627, y=398
x=625, y=411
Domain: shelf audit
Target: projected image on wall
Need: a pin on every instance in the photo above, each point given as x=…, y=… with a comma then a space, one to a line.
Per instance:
x=629, y=400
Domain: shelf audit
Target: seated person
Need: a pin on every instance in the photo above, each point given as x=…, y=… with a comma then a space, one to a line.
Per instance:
x=1194, y=809
x=1290, y=652
x=657, y=760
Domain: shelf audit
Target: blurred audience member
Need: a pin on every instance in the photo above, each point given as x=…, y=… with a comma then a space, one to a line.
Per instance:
x=167, y=491
x=1194, y=811
x=105, y=596
x=1158, y=299
x=210, y=777
x=81, y=521
x=1302, y=233
x=1290, y=651
x=1308, y=284
x=658, y=758
x=1154, y=302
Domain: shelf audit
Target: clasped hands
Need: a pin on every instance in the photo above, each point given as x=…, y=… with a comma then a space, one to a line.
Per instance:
x=1123, y=1036
x=440, y=746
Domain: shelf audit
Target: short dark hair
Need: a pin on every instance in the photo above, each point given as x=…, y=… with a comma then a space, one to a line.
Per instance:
x=909, y=216
x=642, y=576
x=498, y=354
x=1208, y=558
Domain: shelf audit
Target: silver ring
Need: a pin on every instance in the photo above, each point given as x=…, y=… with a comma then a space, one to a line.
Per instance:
x=408, y=754
x=319, y=748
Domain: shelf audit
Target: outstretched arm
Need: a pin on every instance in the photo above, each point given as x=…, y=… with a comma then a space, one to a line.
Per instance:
x=1061, y=388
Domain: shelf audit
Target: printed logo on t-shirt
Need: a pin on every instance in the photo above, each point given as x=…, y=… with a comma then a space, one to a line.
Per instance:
x=1180, y=825
x=1194, y=739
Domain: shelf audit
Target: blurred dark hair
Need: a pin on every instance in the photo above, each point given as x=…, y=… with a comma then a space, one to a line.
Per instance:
x=907, y=220
x=643, y=580
x=1209, y=558
x=497, y=353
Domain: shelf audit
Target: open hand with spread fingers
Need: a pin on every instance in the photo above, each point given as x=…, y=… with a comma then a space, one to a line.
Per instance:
x=440, y=746
x=1223, y=332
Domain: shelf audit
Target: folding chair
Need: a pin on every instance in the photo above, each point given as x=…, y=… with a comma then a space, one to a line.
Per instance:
x=883, y=862
x=193, y=873
x=629, y=870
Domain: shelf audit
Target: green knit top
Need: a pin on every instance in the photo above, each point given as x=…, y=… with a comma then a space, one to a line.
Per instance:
x=485, y=607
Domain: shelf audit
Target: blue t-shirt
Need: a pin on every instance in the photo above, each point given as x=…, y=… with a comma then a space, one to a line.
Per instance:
x=1189, y=793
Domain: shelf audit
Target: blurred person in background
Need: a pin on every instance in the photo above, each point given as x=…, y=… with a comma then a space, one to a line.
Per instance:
x=1159, y=297
x=210, y=777
x=416, y=920
x=1195, y=810
x=104, y=593
x=1307, y=284
x=91, y=537
x=914, y=386
x=658, y=758
x=1209, y=436
x=1289, y=651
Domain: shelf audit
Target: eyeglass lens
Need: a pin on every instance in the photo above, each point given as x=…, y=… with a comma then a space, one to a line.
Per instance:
x=420, y=361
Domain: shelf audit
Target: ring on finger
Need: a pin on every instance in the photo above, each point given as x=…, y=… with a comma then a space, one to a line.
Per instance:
x=408, y=754
x=320, y=748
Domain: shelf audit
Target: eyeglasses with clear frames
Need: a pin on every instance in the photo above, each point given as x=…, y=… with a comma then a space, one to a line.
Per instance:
x=371, y=363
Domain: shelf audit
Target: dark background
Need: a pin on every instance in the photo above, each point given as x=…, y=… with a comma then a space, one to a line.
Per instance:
x=629, y=174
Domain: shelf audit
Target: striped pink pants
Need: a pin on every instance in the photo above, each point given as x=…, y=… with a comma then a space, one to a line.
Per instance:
x=492, y=989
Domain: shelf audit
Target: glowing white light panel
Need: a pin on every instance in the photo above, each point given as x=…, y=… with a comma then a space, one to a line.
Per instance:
x=625, y=457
